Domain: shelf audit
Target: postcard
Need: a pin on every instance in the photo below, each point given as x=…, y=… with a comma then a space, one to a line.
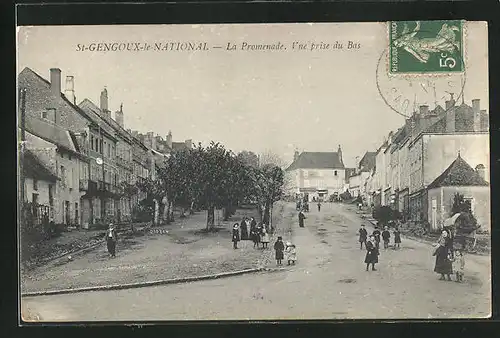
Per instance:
x=254, y=171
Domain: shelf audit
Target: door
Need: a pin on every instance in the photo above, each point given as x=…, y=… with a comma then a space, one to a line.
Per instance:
x=434, y=213
x=77, y=218
x=66, y=212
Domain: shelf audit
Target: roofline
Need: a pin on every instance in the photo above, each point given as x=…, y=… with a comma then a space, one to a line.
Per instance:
x=421, y=134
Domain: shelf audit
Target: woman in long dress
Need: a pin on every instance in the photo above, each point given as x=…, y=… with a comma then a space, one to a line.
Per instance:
x=443, y=254
x=371, y=253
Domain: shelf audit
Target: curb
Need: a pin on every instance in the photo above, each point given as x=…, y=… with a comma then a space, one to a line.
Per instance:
x=141, y=284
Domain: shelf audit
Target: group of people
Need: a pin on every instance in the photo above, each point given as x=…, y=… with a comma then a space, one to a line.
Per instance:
x=285, y=251
x=372, y=243
x=448, y=260
x=248, y=229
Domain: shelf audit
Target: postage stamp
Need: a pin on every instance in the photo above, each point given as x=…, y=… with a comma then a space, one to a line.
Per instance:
x=426, y=46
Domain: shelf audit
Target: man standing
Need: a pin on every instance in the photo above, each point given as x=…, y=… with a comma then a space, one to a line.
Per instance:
x=301, y=219
x=111, y=240
x=319, y=205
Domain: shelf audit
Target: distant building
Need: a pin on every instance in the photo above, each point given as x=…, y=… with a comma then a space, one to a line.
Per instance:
x=357, y=178
x=318, y=174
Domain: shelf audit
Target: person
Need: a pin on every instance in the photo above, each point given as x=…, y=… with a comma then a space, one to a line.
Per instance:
x=264, y=239
x=386, y=235
x=244, y=230
x=376, y=235
x=371, y=253
x=291, y=253
x=236, y=235
x=442, y=252
x=363, y=234
x=397, y=238
x=301, y=218
x=458, y=265
x=359, y=206
x=111, y=239
x=279, y=247
x=319, y=206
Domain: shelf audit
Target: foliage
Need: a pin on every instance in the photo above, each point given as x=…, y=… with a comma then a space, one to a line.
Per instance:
x=346, y=195
x=384, y=214
x=212, y=178
x=466, y=222
x=248, y=158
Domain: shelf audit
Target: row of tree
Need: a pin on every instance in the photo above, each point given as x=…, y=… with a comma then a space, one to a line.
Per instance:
x=211, y=178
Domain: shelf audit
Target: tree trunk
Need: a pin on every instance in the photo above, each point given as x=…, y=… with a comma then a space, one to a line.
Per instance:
x=210, y=217
x=168, y=212
x=191, y=210
x=266, y=217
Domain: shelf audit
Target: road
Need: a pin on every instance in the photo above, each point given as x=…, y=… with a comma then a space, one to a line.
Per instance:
x=329, y=282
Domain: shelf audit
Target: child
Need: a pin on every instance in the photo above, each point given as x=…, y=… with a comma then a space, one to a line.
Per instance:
x=291, y=253
x=236, y=235
x=371, y=253
x=264, y=239
x=279, y=247
x=111, y=240
x=362, y=236
x=397, y=238
x=386, y=235
x=459, y=265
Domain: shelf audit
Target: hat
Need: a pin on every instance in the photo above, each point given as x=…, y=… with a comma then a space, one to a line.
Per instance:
x=279, y=237
x=235, y=226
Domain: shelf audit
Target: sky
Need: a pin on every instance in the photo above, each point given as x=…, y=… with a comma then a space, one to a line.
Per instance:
x=278, y=101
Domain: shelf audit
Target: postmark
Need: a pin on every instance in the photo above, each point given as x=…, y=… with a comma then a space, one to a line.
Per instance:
x=426, y=47
x=405, y=83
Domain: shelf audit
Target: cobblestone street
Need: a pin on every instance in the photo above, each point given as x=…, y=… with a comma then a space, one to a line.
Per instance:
x=329, y=281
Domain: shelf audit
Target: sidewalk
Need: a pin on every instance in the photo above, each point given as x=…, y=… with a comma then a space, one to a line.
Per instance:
x=184, y=251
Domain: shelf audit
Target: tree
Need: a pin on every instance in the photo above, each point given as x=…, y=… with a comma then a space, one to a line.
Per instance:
x=155, y=192
x=248, y=158
x=466, y=222
x=268, y=188
x=127, y=191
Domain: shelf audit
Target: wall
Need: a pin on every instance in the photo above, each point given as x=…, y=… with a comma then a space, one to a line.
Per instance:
x=42, y=191
x=441, y=150
x=444, y=197
x=403, y=167
x=39, y=98
x=415, y=166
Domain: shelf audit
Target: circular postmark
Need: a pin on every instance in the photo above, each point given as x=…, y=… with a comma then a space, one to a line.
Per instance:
x=406, y=92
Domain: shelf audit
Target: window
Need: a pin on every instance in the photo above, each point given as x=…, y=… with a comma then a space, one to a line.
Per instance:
x=335, y=173
x=109, y=150
x=44, y=114
x=63, y=175
x=35, y=184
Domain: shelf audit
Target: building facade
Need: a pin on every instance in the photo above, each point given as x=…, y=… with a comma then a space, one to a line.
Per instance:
x=317, y=174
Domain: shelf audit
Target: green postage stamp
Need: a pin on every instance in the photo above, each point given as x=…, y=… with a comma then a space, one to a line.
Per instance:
x=426, y=47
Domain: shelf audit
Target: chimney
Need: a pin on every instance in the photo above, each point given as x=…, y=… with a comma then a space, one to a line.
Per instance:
x=119, y=116
x=339, y=151
x=169, y=139
x=476, y=110
x=450, y=103
x=104, y=100
x=450, y=121
x=69, y=92
x=55, y=81
x=151, y=140
x=424, y=111
x=296, y=155
x=189, y=143
x=481, y=170
x=357, y=162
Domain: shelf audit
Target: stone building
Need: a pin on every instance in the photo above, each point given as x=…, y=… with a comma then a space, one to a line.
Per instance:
x=318, y=174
